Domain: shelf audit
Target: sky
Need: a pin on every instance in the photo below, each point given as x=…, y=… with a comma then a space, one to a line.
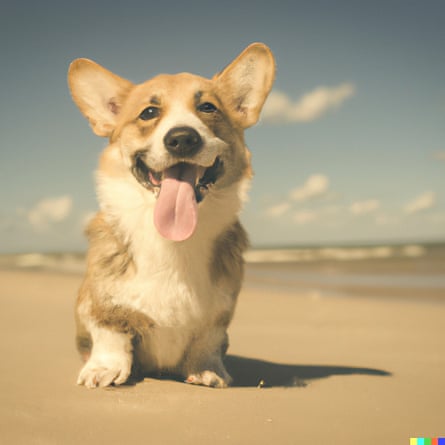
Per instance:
x=350, y=146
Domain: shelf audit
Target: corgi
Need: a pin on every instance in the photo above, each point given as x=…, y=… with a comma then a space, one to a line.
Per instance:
x=165, y=258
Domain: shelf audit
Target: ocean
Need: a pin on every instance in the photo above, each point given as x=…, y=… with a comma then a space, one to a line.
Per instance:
x=391, y=271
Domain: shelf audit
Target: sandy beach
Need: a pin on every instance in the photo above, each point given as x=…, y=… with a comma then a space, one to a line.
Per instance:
x=308, y=368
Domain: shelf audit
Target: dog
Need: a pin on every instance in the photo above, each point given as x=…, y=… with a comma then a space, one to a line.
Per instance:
x=165, y=258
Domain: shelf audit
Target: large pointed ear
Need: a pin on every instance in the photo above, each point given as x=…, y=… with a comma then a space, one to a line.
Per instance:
x=98, y=93
x=246, y=82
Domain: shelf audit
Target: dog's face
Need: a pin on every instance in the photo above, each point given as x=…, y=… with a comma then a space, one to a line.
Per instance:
x=180, y=136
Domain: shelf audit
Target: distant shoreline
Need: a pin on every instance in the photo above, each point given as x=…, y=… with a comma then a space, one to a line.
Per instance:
x=75, y=261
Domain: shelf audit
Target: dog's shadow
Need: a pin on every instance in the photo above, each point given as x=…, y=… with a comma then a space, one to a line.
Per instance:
x=248, y=372
x=254, y=373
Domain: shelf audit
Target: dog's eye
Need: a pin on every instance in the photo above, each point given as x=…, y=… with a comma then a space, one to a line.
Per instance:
x=149, y=113
x=207, y=107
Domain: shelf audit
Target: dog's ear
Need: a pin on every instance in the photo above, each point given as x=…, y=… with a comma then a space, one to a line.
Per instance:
x=246, y=82
x=98, y=93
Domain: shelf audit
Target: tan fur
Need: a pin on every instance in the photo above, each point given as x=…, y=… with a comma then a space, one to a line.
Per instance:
x=228, y=254
x=108, y=254
x=165, y=304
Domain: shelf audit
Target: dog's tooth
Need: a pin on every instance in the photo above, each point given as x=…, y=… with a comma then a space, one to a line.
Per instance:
x=201, y=172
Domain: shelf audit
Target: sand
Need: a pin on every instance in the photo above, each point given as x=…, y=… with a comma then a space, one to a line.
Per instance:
x=334, y=370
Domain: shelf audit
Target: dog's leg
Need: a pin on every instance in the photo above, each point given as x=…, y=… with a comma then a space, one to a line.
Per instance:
x=203, y=364
x=110, y=361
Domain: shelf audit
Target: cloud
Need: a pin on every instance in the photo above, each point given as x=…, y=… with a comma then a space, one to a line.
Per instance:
x=422, y=202
x=278, y=210
x=440, y=155
x=364, y=207
x=386, y=220
x=437, y=218
x=316, y=185
x=280, y=108
x=305, y=216
x=49, y=211
x=87, y=218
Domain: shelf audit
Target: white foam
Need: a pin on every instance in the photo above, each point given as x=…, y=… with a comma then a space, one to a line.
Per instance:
x=333, y=254
x=62, y=262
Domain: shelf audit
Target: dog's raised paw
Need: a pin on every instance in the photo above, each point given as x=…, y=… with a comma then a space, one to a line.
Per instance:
x=208, y=378
x=104, y=373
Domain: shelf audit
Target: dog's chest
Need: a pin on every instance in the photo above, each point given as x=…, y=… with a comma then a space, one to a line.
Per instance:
x=180, y=299
x=166, y=295
x=172, y=284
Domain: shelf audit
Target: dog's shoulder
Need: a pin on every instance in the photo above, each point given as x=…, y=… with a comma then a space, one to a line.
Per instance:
x=227, y=257
x=108, y=254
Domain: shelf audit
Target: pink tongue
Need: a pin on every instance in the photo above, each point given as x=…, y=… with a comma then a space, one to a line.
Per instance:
x=176, y=210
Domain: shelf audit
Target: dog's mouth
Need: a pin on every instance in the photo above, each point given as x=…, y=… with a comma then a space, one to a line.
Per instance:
x=179, y=189
x=204, y=177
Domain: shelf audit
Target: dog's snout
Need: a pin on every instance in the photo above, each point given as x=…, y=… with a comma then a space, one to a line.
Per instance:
x=183, y=141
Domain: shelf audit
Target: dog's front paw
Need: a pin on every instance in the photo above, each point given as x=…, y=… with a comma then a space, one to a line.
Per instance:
x=209, y=378
x=105, y=371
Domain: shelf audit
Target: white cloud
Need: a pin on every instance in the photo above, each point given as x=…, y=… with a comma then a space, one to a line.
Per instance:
x=50, y=210
x=364, y=207
x=280, y=108
x=278, y=210
x=440, y=155
x=315, y=186
x=386, y=220
x=438, y=218
x=305, y=216
x=423, y=202
x=87, y=218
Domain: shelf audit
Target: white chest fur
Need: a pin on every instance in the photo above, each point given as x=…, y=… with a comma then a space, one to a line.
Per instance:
x=172, y=284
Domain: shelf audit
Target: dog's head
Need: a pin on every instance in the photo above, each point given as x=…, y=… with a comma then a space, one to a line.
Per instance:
x=180, y=136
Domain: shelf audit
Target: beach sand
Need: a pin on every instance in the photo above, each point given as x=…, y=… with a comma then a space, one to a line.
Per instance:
x=334, y=370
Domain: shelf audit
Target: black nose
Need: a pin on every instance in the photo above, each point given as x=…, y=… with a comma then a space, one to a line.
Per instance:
x=183, y=141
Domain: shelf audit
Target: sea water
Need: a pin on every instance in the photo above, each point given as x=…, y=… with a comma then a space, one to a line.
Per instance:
x=391, y=269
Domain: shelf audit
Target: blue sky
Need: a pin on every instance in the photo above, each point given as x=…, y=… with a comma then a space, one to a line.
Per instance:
x=351, y=146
